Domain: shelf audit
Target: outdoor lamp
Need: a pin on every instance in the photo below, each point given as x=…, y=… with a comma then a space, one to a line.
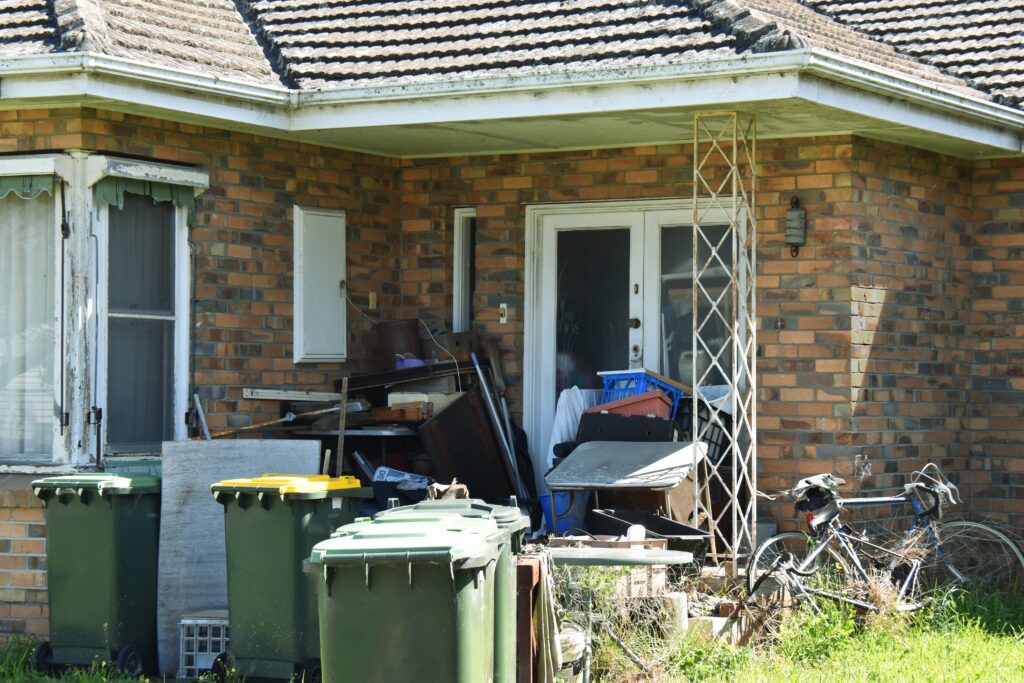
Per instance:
x=796, y=227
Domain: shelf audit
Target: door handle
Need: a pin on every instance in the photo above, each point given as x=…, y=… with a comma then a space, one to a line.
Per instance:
x=634, y=323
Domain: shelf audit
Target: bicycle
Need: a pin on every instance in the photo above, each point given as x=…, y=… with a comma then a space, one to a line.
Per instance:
x=834, y=562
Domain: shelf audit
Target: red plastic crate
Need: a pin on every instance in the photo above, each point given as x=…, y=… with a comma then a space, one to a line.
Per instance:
x=649, y=403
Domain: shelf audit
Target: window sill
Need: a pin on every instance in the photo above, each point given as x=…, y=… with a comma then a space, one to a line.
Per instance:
x=40, y=468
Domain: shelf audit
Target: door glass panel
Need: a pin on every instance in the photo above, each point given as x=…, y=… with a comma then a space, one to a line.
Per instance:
x=593, y=306
x=712, y=357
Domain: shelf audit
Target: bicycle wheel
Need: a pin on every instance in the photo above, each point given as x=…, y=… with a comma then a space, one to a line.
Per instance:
x=974, y=555
x=797, y=544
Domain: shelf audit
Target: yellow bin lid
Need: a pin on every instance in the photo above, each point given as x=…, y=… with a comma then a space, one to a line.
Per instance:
x=316, y=485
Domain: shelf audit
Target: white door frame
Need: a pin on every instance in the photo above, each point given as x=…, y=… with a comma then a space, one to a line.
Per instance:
x=538, y=368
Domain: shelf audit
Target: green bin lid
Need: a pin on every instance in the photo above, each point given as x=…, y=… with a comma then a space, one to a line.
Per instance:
x=105, y=484
x=447, y=538
x=506, y=516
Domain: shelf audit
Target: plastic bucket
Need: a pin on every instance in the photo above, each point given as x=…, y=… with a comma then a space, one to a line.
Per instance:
x=562, y=500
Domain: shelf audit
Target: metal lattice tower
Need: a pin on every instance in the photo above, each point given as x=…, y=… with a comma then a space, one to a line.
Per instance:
x=725, y=329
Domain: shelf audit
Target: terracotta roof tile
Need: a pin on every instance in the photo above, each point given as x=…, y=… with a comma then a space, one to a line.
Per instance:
x=205, y=36
x=27, y=27
x=351, y=43
x=981, y=42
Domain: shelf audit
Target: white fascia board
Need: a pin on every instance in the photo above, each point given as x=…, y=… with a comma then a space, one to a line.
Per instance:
x=911, y=114
x=590, y=99
x=95, y=63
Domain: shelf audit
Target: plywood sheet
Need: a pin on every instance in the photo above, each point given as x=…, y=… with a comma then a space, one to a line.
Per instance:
x=192, y=572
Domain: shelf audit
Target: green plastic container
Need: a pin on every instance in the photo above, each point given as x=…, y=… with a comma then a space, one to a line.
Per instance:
x=512, y=522
x=271, y=524
x=102, y=533
x=408, y=601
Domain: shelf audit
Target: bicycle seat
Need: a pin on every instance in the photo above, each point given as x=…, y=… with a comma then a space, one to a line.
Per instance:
x=814, y=492
x=823, y=515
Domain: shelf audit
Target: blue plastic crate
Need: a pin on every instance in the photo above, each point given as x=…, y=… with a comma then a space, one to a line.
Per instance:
x=625, y=383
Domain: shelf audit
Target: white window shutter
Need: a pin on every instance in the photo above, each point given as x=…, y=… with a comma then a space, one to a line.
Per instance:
x=321, y=327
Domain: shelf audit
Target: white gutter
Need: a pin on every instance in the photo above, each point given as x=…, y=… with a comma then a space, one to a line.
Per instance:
x=99, y=64
x=809, y=60
x=823, y=64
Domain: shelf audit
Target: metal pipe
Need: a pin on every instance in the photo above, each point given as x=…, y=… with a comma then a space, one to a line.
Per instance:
x=496, y=423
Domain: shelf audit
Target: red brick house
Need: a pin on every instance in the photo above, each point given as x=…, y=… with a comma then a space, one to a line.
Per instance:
x=157, y=181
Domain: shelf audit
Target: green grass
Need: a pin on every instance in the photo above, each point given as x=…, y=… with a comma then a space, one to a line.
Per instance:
x=15, y=665
x=959, y=638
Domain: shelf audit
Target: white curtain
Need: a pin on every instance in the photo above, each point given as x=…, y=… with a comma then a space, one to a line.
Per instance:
x=27, y=326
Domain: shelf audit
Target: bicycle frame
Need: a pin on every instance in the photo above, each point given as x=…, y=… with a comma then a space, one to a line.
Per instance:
x=832, y=531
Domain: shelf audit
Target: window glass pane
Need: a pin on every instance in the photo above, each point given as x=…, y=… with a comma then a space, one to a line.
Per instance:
x=141, y=271
x=593, y=306
x=27, y=327
x=139, y=383
x=711, y=357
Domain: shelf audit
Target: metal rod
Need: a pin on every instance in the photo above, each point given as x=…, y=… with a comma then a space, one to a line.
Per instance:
x=289, y=417
x=342, y=412
x=202, y=416
x=496, y=422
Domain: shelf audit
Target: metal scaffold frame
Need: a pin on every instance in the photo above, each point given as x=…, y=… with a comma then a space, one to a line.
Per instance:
x=724, y=175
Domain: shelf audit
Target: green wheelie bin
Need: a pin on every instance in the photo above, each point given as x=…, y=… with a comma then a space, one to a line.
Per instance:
x=271, y=524
x=101, y=550
x=408, y=601
x=512, y=521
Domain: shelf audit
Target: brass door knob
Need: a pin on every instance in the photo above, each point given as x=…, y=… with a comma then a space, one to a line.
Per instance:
x=634, y=323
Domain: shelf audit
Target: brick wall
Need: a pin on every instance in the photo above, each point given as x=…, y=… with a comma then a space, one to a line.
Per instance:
x=243, y=241
x=867, y=337
x=997, y=388
x=23, y=606
x=910, y=304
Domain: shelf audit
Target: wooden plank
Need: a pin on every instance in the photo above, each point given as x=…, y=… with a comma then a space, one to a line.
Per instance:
x=527, y=580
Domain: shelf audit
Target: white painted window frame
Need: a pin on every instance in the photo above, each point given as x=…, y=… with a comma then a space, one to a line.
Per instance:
x=47, y=164
x=462, y=304
x=299, y=354
x=182, y=319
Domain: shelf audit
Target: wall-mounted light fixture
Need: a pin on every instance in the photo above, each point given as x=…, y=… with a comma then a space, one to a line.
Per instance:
x=796, y=227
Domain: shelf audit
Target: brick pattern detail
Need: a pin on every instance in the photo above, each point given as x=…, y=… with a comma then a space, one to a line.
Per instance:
x=242, y=313
x=23, y=603
x=996, y=408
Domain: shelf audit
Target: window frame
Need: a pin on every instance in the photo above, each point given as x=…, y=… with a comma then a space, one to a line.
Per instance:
x=299, y=352
x=462, y=285
x=182, y=322
x=48, y=164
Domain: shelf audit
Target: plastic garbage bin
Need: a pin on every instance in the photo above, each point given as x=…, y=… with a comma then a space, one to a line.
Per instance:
x=271, y=524
x=514, y=524
x=102, y=534
x=408, y=601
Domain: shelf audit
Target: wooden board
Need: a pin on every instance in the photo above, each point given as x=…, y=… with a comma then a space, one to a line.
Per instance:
x=462, y=444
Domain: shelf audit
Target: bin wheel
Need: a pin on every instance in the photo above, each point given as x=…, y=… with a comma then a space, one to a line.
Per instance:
x=311, y=672
x=129, y=661
x=42, y=657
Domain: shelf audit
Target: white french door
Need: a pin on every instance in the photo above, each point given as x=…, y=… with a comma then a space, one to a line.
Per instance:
x=609, y=287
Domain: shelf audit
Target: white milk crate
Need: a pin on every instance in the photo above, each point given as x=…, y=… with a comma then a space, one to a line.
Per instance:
x=204, y=635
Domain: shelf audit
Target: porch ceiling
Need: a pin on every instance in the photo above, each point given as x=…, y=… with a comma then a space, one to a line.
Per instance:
x=779, y=118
